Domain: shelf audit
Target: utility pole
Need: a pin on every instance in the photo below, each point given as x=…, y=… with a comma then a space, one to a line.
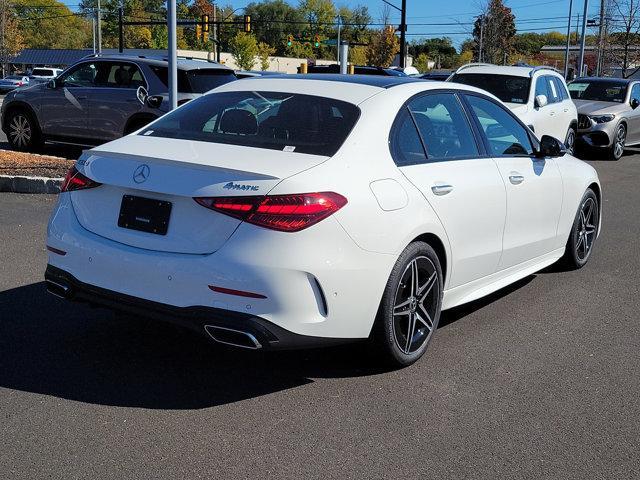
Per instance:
x=566, y=52
x=172, y=26
x=480, y=51
x=120, y=29
x=3, y=50
x=601, y=34
x=584, y=36
x=215, y=32
x=338, y=42
x=93, y=33
x=403, y=35
x=99, y=28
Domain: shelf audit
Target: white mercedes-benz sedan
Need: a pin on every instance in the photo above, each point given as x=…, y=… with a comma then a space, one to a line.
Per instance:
x=305, y=210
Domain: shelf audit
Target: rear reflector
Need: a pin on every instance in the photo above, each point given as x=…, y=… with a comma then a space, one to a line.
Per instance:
x=74, y=180
x=285, y=213
x=238, y=293
x=56, y=251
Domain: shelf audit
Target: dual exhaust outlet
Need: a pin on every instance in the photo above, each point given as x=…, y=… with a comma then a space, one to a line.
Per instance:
x=223, y=335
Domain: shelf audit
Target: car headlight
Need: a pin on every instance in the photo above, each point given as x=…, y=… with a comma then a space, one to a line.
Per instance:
x=602, y=118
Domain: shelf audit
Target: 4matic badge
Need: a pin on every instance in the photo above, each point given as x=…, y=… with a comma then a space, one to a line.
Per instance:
x=238, y=186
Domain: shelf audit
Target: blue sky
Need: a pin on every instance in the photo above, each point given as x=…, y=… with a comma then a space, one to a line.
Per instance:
x=453, y=18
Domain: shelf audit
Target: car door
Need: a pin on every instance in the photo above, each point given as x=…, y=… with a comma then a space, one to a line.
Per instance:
x=543, y=114
x=65, y=108
x=566, y=109
x=533, y=185
x=633, y=129
x=115, y=98
x=440, y=153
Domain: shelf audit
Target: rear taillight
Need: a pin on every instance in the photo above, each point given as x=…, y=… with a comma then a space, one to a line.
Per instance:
x=20, y=84
x=74, y=180
x=285, y=213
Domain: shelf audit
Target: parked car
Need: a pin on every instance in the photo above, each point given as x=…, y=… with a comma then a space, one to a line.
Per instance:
x=438, y=75
x=312, y=209
x=102, y=98
x=45, y=73
x=538, y=95
x=608, y=114
x=256, y=73
x=358, y=70
x=11, y=82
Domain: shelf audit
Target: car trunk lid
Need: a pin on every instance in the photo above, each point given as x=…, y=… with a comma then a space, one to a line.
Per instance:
x=174, y=171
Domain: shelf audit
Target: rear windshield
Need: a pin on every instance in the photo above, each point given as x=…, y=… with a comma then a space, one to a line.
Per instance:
x=598, y=91
x=510, y=89
x=277, y=121
x=196, y=81
x=45, y=72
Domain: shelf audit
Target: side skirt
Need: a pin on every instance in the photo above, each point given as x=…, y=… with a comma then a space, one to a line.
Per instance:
x=484, y=286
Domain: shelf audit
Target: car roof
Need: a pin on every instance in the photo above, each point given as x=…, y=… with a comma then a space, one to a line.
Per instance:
x=380, y=81
x=349, y=88
x=184, y=63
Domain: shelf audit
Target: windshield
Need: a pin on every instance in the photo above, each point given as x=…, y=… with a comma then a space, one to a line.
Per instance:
x=198, y=80
x=510, y=89
x=598, y=91
x=278, y=121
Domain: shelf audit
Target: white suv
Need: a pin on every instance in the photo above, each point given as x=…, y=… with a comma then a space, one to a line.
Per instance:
x=537, y=95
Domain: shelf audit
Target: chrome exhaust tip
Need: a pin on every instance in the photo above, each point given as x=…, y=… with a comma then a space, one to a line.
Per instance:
x=58, y=289
x=230, y=336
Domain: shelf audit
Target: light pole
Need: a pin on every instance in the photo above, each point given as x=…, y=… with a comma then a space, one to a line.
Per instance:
x=582, y=40
x=172, y=51
x=99, y=28
x=566, y=52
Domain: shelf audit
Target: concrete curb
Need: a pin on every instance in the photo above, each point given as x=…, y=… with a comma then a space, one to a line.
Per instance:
x=18, y=184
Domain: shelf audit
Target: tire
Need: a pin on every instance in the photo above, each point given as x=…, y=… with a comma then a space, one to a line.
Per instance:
x=23, y=131
x=402, y=311
x=619, y=140
x=584, y=232
x=570, y=141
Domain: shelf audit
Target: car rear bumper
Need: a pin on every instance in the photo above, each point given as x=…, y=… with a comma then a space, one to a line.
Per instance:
x=313, y=284
x=223, y=326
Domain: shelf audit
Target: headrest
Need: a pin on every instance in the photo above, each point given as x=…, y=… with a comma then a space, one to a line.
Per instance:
x=239, y=122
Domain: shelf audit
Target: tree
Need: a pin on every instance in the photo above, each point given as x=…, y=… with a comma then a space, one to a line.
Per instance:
x=273, y=21
x=244, y=49
x=50, y=24
x=627, y=14
x=383, y=47
x=421, y=62
x=11, y=41
x=440, y=50
x=264, y=52
x=494, y=31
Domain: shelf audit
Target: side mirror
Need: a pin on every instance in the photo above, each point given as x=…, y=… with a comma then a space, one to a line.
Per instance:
x=154, y=101
x=550, y=147
x=635, y=103
x=142, y=95
x=52, y=84
x=541, y=101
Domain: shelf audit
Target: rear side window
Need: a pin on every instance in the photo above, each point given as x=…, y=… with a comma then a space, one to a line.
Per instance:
x=273, y=120
x=443, y=126
x=119, y=75
x=562, y=90
x=197, y=80
x=44, y=72
x=405, y=141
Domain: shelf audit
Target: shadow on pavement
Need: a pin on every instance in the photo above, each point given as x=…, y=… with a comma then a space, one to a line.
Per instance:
x=77, y=352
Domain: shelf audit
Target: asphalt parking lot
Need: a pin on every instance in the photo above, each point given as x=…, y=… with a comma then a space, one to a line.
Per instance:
x=541, y=380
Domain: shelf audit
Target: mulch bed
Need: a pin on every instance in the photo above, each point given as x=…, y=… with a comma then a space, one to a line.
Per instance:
x=33, y=165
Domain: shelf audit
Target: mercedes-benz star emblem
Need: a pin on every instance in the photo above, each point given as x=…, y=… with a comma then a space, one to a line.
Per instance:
x=141, y=173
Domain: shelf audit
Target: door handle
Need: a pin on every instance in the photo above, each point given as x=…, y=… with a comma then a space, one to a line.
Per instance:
x=516, y=179
x=566, y=110
x=441, y=189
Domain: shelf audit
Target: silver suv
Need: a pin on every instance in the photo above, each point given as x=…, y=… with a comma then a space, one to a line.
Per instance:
x=102, y=98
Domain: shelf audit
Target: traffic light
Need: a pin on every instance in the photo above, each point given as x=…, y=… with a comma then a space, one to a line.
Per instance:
x=205, y=23
x=247, y=23
x=289, y=40
x=316, y=40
